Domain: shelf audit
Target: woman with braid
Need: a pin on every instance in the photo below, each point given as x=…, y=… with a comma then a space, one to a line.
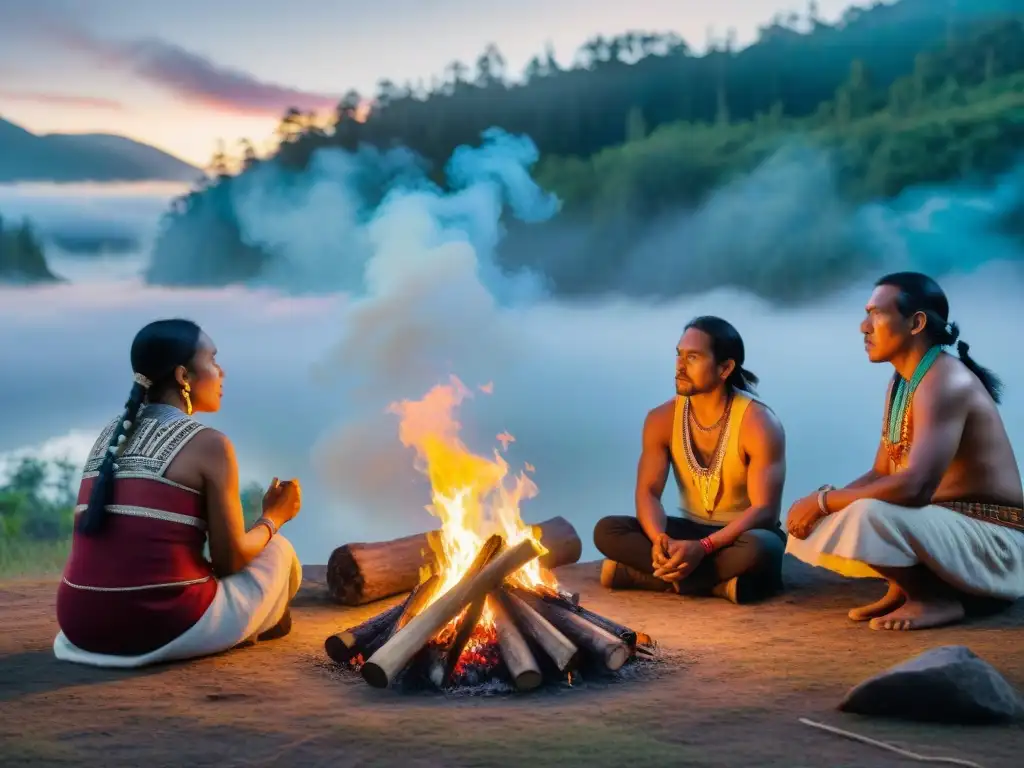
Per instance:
x=939, y=515
x=157, y=487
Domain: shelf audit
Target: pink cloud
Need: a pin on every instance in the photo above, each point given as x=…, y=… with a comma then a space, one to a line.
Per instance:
x=61, y=99
x=191, y=76
x=205, y=82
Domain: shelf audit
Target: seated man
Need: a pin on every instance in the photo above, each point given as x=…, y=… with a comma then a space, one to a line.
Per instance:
x=727, y=451
x=939, y=515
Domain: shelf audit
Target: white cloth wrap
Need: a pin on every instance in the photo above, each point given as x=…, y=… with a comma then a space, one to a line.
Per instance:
x=247, y=604
x=975, y=556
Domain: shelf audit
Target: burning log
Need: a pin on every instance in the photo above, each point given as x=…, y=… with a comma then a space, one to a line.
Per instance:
x=490, y=550
x=559, y=648
x=361, y=573
x=365, y=638
x=414, y=604
x=561, y=541
x=515, y=652
x=611, y=650
x=380, y=670
x=627, y=635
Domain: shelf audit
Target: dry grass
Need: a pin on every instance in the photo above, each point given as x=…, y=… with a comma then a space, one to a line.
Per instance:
x=26, y=558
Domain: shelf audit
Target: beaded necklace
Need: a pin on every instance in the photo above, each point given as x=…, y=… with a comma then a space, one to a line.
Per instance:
x=896, y=424
x=707, y=479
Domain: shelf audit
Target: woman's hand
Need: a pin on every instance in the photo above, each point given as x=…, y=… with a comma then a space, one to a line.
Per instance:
x=282, y=500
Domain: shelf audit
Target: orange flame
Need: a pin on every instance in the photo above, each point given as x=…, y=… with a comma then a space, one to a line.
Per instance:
x=469, y=492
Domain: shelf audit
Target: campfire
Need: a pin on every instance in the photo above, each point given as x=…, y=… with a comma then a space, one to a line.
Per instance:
x=483, y=603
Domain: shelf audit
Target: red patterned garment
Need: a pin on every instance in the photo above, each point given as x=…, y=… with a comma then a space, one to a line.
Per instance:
x=142, y=581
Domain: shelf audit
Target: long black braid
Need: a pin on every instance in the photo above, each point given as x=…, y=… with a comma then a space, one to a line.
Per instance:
x=157, y=352
x=103, y=486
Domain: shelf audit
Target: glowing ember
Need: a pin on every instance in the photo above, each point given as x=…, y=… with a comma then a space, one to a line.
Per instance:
x=470, y=493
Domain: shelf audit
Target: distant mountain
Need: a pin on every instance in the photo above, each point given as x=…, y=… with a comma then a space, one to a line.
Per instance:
x=56, y=157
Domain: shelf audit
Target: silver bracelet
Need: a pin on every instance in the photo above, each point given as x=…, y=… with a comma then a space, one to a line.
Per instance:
x=268, y=523
x=821, y=498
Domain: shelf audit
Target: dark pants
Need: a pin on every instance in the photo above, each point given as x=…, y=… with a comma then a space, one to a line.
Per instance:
x=756, y=555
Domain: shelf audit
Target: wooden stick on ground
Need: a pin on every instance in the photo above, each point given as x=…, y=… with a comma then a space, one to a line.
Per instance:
x=359, y=573
x=611, y=650
x=380, y=670
x=515, y=652
x=904, y=752
x=559, y=648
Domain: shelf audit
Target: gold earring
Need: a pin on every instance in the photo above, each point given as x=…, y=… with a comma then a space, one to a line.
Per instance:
x=188, y=401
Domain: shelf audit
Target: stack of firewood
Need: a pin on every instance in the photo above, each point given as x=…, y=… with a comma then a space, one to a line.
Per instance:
x=537, y=631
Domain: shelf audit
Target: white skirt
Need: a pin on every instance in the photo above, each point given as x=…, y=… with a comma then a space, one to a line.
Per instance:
x=247, y=604
x=975, y=556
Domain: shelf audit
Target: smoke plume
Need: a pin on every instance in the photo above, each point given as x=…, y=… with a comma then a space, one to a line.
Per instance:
x=389, y=292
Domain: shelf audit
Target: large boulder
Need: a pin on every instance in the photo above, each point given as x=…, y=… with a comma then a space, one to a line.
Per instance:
x=949, y=684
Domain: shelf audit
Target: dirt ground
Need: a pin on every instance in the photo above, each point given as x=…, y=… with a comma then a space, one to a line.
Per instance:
x=731, y=694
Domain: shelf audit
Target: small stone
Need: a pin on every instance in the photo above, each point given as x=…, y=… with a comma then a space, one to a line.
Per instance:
x=949, y=684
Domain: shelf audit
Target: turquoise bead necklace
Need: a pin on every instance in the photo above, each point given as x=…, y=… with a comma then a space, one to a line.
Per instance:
x=895, y=429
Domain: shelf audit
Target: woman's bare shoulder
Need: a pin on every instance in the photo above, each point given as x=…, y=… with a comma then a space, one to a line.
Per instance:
x=209, y=456
x=212, y=445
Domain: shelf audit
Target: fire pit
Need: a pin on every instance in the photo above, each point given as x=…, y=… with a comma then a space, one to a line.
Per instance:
x=483, y=604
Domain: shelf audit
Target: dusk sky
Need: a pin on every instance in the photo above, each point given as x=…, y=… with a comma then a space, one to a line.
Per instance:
x=182, y=75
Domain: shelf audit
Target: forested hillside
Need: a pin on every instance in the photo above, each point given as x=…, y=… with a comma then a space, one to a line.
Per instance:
x=901, y=94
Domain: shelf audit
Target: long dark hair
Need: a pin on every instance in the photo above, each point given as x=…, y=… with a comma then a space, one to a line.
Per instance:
x=726, y=344
x=157, y=351
x=920, y=293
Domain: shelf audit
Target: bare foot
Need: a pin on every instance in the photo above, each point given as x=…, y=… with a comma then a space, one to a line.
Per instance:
x=921, y=615
x=892, y=600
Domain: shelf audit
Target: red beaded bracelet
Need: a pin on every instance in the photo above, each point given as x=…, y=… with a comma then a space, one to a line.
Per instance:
x=708, y=546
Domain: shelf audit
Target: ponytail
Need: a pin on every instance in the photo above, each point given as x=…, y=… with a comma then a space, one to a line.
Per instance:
x=741, y=378
x=95, y=513
x=992, y=383
x=947, y=334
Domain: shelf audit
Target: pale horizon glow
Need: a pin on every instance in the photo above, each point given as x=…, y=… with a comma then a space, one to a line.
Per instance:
x=58, y=83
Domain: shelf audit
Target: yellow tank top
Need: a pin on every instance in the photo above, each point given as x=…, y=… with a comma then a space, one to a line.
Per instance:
x=730, y=498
